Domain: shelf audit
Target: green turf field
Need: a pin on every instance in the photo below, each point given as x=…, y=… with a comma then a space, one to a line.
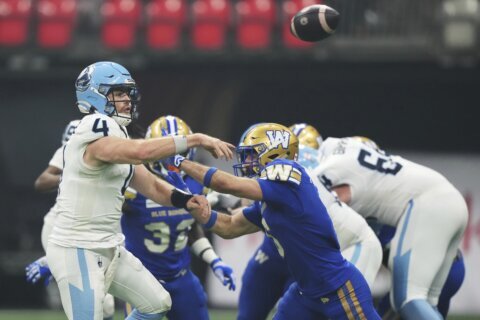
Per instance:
x=57, y=315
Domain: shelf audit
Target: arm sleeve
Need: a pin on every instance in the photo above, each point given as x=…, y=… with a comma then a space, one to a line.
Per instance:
x=253, y=214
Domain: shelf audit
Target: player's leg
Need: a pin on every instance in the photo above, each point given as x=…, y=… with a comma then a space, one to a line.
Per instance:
x=108, y=307
x=47, y=227
x=292, y=306
x=189, y=300
x=366, y=256
x=80, y=279
x=263, y=283
x=418, y=251
x=133, y=283
x=452, y=285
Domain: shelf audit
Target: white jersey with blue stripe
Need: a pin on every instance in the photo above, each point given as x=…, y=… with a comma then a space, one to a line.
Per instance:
x=90, y=198
x=381, y=184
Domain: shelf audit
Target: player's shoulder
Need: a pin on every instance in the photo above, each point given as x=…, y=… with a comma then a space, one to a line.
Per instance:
x=283, y=170
x=98, y=124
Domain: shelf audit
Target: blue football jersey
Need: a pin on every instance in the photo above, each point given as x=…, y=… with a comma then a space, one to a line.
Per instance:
x=292, y=214
x=158, y=235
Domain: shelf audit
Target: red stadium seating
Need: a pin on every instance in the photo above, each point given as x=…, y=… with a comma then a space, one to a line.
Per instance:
x=289, y=9
x=211, y=19
x=56, y=19
x=120, y=22
x=256, y=19
x=165, y=20
x=14, y=17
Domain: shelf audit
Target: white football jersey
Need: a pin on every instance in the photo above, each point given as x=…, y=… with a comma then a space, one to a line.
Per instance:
x=381, y=184
x=349, y=226
x=90, y=199
x=57, y=159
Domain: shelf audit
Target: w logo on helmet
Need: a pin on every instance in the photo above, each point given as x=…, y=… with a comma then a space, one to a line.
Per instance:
x=278, y=137
x=83, y=80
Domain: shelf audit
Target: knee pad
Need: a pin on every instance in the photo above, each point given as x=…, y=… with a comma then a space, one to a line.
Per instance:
x=108, y=306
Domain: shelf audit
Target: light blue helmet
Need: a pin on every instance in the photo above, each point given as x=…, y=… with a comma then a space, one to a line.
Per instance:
x=69, y=130
x=96, y=81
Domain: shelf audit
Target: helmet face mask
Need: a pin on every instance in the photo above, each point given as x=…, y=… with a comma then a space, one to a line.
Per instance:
x=100, y=80
x=261, y=144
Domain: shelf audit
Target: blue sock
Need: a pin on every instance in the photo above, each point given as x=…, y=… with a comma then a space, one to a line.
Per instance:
x=419, y=310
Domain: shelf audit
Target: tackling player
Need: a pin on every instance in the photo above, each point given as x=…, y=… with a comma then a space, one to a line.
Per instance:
x=428, y=212
x=85, y=251
x=161, y=236
x=266, y=276
x=288, y=208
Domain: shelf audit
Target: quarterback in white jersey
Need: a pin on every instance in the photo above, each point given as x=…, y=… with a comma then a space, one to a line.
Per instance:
x=48, y=181
x=358, y=243
x=85, y=251
x=429, y=213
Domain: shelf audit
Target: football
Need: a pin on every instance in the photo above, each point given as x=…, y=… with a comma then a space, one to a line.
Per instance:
x=314, y=23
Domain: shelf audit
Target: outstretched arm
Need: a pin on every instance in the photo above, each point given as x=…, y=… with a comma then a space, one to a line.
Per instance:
x=119, y=150
x=222, y=181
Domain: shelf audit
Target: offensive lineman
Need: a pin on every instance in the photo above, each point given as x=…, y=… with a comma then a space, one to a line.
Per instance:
x=429, y=214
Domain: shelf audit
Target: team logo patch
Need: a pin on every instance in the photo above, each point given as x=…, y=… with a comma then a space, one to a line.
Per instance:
x=84, y=79
x=278, y=137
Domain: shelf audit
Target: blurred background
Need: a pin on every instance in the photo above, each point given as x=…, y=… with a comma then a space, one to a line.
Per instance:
x=402, y=72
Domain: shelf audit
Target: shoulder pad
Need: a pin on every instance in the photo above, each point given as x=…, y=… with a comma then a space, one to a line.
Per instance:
x=282, y=171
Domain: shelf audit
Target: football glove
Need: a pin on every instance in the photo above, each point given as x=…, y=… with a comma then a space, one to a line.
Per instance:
x=174, y=161
x=176, y=180
x=38, y=270
x=223, y=273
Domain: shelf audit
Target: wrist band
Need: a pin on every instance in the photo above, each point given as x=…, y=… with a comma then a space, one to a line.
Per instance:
x=208, y=176
x=181, y=145
x=179, y=198
x=211, y=222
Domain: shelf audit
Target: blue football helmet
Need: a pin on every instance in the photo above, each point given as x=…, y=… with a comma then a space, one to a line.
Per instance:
x=69, y=130
x=168, y=126
x=97, y=81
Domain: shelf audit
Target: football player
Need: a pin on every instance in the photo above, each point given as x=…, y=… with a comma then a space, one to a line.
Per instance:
x=85, y=251
x=428, y=212
x=161, y=236
x=48, y=181
x=288, y=208
x=267, y=274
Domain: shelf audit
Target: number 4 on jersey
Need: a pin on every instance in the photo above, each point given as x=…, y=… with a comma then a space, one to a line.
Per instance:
x=104, y=128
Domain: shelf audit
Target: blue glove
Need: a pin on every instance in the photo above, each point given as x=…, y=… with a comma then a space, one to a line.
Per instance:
x=38, y=270
x=224, y=273
x=174, y=161
x=176, y=180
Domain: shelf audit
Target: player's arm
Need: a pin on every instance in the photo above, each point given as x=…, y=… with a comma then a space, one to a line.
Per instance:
x=165, y=194
x=222, y=181
x=343, y=192
x=48, y=180
x=203, y=249
x=112, y=149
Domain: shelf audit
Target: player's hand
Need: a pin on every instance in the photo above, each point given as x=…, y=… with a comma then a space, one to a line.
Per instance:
x=176, y=180
x=38, y=270
x=224, y=273
x=217, y=147
x=199, y=208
